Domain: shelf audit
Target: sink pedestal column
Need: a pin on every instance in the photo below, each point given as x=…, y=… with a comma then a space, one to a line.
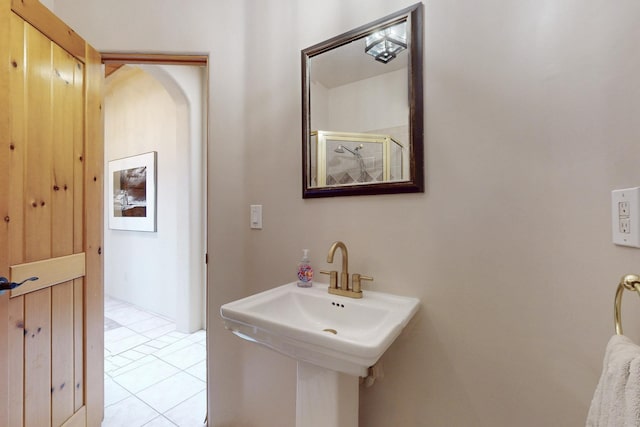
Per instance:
x=326, y=398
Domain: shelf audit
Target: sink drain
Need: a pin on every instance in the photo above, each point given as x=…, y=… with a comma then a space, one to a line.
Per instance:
x=333, y=331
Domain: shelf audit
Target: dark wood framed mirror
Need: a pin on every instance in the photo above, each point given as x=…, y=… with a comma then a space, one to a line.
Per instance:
x=362, y=110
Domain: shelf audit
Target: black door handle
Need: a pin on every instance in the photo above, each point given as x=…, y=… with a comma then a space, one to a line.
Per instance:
x=6, y=285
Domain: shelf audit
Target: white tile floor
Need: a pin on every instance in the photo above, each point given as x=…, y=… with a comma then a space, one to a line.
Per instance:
x=154, y=376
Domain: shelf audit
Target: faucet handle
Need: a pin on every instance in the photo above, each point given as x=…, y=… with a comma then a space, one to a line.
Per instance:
x=356, y=281
x=333, y=278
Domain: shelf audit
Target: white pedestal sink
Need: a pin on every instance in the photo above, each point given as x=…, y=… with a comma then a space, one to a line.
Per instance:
x=325, y=398
x=335, y=340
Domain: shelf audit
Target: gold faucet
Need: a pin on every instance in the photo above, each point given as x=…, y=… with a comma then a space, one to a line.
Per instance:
x=344, y=275
x=343, y=289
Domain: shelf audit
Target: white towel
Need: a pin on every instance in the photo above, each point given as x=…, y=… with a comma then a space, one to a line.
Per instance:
x=616, y=401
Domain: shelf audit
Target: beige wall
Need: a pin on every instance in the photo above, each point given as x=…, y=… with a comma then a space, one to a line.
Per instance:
x=531, y=119
x=349, y=112
x=140, y=117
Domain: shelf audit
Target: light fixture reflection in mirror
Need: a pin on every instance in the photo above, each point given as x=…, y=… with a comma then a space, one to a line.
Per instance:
x=363, y=118
x=385, y=44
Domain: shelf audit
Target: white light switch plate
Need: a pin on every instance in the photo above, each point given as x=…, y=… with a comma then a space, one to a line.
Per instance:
x=625, y=217
x=256, y=217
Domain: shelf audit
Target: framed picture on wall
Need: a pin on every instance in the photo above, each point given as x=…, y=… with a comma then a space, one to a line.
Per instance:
x=132, y=193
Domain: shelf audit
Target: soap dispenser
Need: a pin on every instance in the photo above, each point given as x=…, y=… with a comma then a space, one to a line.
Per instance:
x=305, y=272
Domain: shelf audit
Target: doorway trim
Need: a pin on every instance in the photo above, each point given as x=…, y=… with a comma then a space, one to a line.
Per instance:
x=115, y=60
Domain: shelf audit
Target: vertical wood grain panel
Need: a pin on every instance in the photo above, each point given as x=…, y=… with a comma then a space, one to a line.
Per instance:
x=39, y=147
x=16, y=361
x=62, y=206
x=94, y=290
x=17, y=144
x=78, y=159
x=49, y=24
x=7, y=72
x=5, y=402
x=16, y=152
x=78, y=343
x=62, y=356
x=37, y=359
x=4, y=352
x=5, y=141
x=44, y=142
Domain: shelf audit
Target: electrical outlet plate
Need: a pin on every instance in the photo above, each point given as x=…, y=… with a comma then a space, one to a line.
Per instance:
x=625, y=217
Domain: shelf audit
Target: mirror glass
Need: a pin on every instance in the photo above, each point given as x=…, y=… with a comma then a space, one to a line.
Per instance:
x=362, y=109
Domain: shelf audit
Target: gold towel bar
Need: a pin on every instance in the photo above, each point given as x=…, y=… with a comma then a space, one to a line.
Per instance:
x=632, y=283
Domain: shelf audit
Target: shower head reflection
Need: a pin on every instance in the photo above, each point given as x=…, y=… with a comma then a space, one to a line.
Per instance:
x=340, y=149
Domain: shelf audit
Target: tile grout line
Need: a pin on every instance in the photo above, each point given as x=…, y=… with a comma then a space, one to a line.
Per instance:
x=172, y=337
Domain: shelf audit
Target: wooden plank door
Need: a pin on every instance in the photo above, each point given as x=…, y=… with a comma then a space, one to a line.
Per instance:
x=51, y=175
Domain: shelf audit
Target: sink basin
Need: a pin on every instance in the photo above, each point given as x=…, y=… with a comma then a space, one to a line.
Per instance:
x=338, y=333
